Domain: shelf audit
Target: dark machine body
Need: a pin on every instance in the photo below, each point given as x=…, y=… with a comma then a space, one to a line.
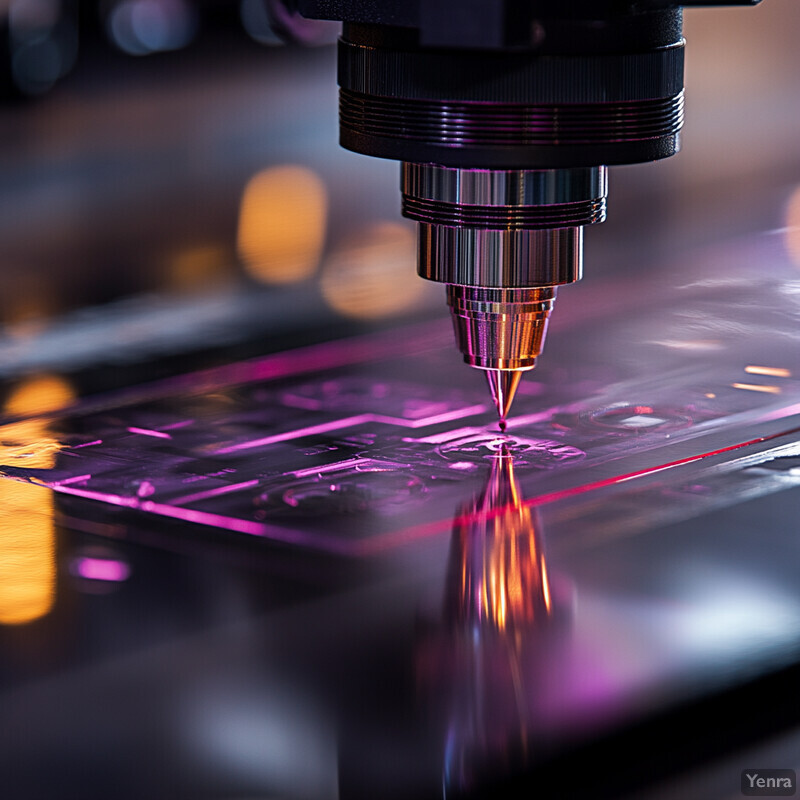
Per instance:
x=506, y=116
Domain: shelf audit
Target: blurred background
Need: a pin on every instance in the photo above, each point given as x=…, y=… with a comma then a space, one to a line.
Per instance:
x=171, y=183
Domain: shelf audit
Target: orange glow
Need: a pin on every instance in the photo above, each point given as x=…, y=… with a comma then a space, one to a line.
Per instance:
x=792, y=231
x=775, y=372
x=521, y=576
x=39, y=395
x=514, y=587
x=755, y=387
x=374, y=275
x=282, y=222
x=503, y=571
x=27, y=552
x=710, y=395
x=27, y=541
x=200, y=267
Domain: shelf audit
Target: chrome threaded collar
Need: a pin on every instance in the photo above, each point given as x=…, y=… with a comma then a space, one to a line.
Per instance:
x=504, y=199
x=502, y=228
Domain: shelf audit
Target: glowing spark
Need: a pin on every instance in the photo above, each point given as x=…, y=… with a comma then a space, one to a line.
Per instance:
x=147, y=432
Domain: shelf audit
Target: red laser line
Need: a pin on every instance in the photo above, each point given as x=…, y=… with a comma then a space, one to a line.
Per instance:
x=373, y=546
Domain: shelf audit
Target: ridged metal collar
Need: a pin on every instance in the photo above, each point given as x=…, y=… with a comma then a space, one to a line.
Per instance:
x=503, y=187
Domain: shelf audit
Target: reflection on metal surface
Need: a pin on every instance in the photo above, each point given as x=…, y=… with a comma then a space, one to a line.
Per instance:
x=698, y=345
x=282, y=224
x=27, y=542
x=498, y=608
x=503, y=575
x=373, y=274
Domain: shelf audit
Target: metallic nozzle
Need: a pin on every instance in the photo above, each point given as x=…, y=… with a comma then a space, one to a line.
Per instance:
x=502, y=241
x=500, y=329
x=503, y=386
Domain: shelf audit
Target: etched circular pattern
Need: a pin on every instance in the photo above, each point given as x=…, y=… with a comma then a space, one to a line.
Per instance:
x=352, y=493
x=536, y=453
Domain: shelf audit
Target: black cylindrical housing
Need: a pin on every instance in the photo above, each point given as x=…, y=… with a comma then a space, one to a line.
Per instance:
x=584, y=92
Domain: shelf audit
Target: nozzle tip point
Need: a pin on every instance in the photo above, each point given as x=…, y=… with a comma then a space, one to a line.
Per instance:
x=503, y=385
x=502, y=426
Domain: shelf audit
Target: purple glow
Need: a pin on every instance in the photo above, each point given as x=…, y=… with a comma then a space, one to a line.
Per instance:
x=234, y=487
x=184, y=423
x=88, y=444
x=146, y=432
x=100, y=569
x=145, y=489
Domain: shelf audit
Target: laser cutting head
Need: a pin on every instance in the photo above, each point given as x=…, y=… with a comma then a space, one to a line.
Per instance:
x=506, y=115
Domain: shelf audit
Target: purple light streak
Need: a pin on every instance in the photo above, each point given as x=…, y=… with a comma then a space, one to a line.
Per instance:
x=147, y=432
x=233, y=487
x=74, y=479
x=173, y=426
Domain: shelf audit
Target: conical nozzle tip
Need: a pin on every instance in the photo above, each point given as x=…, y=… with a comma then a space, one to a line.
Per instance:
x=503, y=386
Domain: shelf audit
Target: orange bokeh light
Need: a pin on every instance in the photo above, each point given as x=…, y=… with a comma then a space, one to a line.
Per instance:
x=373, y=275
x=282, y=224
x=27, y=538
